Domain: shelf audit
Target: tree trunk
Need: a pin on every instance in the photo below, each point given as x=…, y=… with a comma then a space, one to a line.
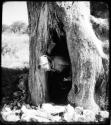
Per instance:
x=37, y=13
x=46, y=37
x=85, y=52
x=57, y=24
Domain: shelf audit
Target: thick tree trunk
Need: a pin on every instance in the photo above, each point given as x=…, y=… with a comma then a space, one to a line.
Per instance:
x=37, y=13
x=85, y=52
x=44, y=35
x=57, y=24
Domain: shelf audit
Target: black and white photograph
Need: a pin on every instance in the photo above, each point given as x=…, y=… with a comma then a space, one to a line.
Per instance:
x=55, y=62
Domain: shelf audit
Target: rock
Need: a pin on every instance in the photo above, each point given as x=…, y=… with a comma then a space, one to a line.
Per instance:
x=81, y=119
x=104, y=114
x=69, y=114
x=89, y=115
x=26, y=118
x=50, y=113
x=6, y=108
x=56, y=118
x=27, y=110
x=12, y=117
x=34, y=115
x=79, y=110
x=60, y=108
x=41, y=119
x=49, y=108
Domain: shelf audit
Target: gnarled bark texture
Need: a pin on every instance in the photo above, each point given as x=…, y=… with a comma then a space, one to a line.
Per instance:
x=73, y=21
x=38, y=36
x=86, y=55
x=45, y=33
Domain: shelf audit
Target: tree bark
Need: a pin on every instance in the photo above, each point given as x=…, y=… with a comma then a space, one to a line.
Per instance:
x=43, y=24
x=72, y=21
x=37, y=13
x=85, y=52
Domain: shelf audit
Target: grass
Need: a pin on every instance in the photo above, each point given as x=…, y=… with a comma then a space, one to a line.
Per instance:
x=14, y=60
x=17, y=55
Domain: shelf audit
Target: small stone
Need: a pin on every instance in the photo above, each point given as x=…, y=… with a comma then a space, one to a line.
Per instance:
x=89, y=115
x=28, y=106
x=7, y=109
x=104, y=114
x=10, y=116
x=25, y=118
x=79, y=110
x=18, y=104
x=81, y=119
x=13, y=117
x=24, y=109
x=49, y=108
x=34, y=107
x=69, y=114
x=56, y=118
x=32, y=117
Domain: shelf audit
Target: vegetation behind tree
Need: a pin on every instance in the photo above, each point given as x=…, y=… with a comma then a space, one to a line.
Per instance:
x=16, y=27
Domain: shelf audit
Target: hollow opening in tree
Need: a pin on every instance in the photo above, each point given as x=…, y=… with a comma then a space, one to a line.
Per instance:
x=59, y=81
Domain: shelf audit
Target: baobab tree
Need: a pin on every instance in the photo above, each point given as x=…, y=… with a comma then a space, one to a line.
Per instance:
x=66, y=29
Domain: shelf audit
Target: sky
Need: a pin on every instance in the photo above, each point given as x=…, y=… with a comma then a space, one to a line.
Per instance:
x=14, y=11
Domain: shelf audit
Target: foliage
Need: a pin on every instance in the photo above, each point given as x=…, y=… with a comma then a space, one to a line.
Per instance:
x=5, y=28
x=16, y=27
x=5, y=49
x=14, y=50
x=10, y=79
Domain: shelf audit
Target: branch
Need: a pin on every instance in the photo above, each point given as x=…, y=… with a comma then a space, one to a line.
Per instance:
x=103, y=23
